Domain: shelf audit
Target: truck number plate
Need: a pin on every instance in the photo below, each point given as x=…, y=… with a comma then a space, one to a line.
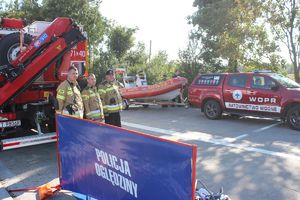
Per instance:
x=10, y=124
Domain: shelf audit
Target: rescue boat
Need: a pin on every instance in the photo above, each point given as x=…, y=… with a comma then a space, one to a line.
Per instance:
x=163, y=91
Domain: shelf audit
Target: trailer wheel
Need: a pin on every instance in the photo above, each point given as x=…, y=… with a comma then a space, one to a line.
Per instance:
x=10, y=47
x=293, y=118
x=212, y=109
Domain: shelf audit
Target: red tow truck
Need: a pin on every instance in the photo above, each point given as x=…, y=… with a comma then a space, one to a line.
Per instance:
x=259, y=93
x=34, y=59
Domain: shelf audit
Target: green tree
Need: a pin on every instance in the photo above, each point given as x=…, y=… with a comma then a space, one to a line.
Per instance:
x=194, y=59
x=2, y=4
x=189, y=60
x=26, y=9
x=230, y=30
x=103, y=61
x=120, y=40
x=284, y=18
x=136, y=59
x=136, y=56
x=83, y=12
x=159, y=68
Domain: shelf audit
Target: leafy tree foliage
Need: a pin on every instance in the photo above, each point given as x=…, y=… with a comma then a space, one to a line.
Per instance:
x=120, y=41
x=27, y=9
x=82, y=11
x=189, y=59
x=159, y=68
x=284, y=18
x=136, y=56
x=231, y=31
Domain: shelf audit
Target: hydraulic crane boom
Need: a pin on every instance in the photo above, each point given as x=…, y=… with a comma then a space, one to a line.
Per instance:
x=46, y=49
x=34, y=60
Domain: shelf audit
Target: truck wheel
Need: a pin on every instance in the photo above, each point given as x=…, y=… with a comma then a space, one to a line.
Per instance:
x=212, y=109
x=293, y=118
x=10, y=47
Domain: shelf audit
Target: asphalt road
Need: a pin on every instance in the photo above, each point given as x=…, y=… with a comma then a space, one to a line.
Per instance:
x=251, y=158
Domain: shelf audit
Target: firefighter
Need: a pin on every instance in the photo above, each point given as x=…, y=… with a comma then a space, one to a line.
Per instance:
x=111, y=99
x=91, y=100
x=68, y=95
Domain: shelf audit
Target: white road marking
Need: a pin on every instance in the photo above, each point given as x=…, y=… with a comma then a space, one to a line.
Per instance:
x=236, y=138
x=148, y=128
x=241, y=136
x=266, y=127
x=208, y=138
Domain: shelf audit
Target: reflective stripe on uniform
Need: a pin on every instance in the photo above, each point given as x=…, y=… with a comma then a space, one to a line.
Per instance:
x=113, y=107
x=78, y=114
x=61, y=91
x=85, y=97
x=61, y=97
x=95, y=113
x=110, y=89
x=101, y=91
x=92, y=95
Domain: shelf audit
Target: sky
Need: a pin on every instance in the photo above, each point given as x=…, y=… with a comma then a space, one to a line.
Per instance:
x=164, y=22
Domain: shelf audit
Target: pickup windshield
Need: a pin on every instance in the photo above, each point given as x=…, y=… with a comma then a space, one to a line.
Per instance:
x=284, y=81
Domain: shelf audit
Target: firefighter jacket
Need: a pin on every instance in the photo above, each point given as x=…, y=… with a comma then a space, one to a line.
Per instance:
x=69, y=99
x=111, y=97
x=93, y=108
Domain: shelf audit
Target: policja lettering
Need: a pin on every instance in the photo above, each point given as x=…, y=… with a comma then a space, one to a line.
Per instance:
x=113, y=177
x=112, y=161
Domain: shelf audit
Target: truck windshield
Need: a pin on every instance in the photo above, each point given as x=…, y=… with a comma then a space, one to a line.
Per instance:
x=286, y=82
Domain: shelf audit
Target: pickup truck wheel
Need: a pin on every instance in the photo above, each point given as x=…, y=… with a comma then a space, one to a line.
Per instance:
x=293, y=118
x=212, y=109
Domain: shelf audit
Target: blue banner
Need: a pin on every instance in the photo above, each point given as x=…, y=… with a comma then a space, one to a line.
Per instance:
x=110, y=163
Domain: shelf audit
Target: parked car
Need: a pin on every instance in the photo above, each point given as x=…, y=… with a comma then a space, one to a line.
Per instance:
x=254, y=94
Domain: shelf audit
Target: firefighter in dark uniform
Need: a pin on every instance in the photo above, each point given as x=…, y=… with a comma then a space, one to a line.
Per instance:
x=69, y=97
x=93, y=108
x=111, y=99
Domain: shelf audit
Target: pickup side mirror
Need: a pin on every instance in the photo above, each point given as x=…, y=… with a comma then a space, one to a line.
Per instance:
x=274, y=87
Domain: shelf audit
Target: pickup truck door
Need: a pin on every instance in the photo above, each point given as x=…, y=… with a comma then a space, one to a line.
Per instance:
x=235, y=91
x=261, y=96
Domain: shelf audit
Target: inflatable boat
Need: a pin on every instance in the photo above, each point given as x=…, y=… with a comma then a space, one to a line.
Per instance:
x=163, y=91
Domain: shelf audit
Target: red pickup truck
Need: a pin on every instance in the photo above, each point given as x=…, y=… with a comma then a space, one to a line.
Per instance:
x=253, y=94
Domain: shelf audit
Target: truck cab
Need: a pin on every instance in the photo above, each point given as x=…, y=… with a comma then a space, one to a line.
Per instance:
x=34, y=60
x=254, y=94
